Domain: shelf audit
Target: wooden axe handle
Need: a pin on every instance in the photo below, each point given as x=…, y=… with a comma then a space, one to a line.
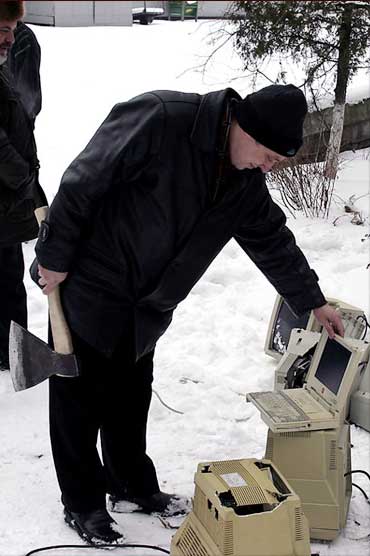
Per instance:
x=59, y=327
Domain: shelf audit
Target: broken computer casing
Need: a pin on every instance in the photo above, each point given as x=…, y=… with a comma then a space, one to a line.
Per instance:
x=242, y=508
x=283, y=320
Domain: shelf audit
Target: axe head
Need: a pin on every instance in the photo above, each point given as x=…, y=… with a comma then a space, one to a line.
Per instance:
x=32, y=360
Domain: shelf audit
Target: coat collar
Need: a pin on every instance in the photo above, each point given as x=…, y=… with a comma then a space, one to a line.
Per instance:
x=206, y=129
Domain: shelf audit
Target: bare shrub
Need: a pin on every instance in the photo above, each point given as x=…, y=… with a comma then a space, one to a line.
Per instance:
x=303, y=188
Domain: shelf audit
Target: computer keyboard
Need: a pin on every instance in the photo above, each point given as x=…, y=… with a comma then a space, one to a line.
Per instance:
x=280, y=408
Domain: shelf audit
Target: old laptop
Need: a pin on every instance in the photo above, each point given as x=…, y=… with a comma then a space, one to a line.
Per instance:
x=323, y=401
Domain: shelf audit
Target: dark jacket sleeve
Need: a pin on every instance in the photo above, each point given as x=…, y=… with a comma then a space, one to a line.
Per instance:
x=121, y=148
x=272, y=247
x=16, y=175
x=24, y=63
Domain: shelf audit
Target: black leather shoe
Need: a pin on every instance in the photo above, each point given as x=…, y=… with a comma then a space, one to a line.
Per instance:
x=94, y=527
x=162, y=503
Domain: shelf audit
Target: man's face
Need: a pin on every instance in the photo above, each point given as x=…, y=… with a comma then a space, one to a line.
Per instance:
x=245, y=152
x=6, y=38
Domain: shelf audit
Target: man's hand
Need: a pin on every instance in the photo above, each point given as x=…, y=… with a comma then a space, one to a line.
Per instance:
x=50, y=279
x=330, y=319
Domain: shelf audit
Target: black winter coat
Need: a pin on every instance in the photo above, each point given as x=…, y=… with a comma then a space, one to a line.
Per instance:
x=20, y=191
x=136, y=222
x=24, y=65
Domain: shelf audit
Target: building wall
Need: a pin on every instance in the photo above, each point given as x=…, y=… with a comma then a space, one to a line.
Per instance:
x=40, y=12
x=80, y=13
x=212, y=9
x=73, y=14
x=113, y=13
x=206, y=8
x=86, y=12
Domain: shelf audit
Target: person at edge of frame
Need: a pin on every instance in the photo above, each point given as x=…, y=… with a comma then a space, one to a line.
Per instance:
x=20, y=191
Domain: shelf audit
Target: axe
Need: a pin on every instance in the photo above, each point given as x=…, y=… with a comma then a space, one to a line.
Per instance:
x=32, y=360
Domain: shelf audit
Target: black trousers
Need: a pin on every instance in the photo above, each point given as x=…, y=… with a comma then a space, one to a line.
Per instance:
x=13, y=301
x=111, y=396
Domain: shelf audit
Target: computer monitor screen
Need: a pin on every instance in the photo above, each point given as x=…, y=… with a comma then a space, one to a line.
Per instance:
x=284, y=323
x=333, y=363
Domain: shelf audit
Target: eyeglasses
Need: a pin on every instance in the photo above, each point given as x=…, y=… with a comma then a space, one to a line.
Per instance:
x=5, y=30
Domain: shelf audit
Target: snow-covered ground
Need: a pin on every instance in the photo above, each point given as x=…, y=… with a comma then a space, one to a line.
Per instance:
x=213, y=352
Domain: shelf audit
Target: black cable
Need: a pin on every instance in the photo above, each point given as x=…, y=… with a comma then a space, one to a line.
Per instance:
x=367, y=325
x=43, y=549
x=362, y=490
x=358, y=471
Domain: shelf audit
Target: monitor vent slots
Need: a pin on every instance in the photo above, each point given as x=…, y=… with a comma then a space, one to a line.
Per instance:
x=191, y=545
x=231, y=466
x=333, y=456
x=303, y=434
x=347, y=470
x=298, y=525
x=269, y=448
x=246, y=495
x=228, y=539
x=249, y=495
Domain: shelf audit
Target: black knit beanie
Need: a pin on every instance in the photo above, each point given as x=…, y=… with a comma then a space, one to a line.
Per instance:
x=274, y=117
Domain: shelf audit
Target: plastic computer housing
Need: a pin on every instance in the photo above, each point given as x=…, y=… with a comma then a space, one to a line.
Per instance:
x=333, y=399
x=359, y=410
x=294, y=354
x=242, y=508
x=315, y=463
x=283, y=320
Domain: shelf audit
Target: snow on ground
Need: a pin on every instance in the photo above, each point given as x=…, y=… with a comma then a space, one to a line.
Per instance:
x=213, y=352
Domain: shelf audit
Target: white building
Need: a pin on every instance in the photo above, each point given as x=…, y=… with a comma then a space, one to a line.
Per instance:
x=86, y=12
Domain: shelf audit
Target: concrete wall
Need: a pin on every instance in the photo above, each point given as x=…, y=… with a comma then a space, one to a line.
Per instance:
x=73, y=14
x=86, y=12
x=356, y=132
x=40, y=12
x=113, y=13
x=79, y=13
x=212, y=9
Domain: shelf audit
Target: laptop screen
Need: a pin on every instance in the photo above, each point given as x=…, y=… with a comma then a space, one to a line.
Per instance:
x=284, y=324
x=332, y=366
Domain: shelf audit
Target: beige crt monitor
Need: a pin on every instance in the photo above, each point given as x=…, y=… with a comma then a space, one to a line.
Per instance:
x=283, y=320
x=324, y=401
x=359, y=410
x=315, y=464
x=242, y=508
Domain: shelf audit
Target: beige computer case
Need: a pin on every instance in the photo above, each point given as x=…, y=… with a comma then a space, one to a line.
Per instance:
x=265, y=520
x=354, y=324
x=314, y=463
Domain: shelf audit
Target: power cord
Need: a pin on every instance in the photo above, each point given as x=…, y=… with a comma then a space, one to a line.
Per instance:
x=357, y=486
x=363, y=492
x=358, y=471
x=85, y=546
x=165, y=405
x=367, y=325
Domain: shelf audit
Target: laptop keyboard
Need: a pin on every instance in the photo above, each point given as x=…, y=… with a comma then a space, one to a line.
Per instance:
x=279, y=408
